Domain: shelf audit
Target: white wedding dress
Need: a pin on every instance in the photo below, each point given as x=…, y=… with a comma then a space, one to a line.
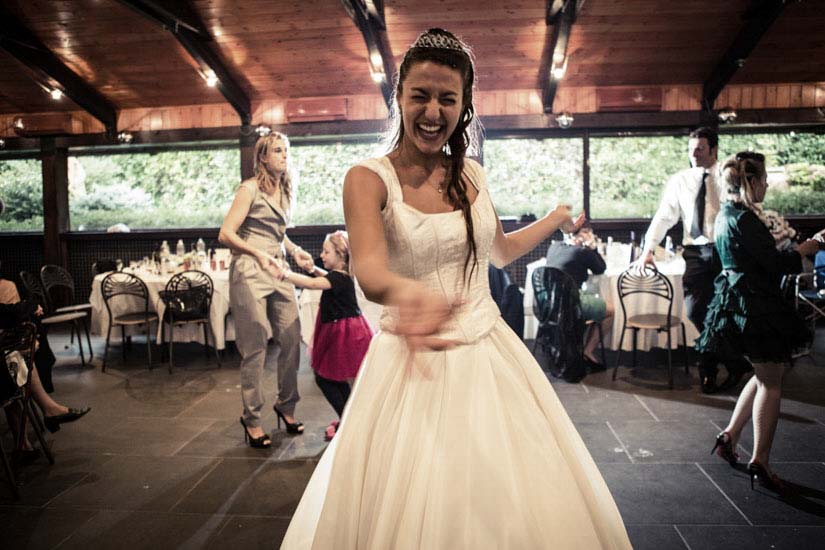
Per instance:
x=464, y=448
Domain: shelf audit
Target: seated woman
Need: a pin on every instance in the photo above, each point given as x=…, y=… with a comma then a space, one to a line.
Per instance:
x=576, y=256
x=749, y=316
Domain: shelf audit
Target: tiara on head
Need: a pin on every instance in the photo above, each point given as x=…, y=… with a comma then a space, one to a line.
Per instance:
x=438, y=41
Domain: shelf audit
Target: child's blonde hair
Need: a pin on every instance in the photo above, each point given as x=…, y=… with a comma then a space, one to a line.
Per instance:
x=340, y=243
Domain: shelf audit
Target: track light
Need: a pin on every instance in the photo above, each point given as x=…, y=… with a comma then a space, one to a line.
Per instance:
x=2, y=143
x=56, y=94
x=211, y=78
x=726, y=115
x=263, y=130
x=125, y=137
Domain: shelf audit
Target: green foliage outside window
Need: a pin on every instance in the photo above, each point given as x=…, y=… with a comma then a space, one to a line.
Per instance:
x=21, y=189
x=532, y=176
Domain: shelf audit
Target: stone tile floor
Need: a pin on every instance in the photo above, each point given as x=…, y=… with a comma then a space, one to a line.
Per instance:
x=160, y=461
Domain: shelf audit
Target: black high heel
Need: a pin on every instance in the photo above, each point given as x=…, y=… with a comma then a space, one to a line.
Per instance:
x=296, y=428
x=766, y=479
x=262, y=442
x=53, y=423
x=725, y=452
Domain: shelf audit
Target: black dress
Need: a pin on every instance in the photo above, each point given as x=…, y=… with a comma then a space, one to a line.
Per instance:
x=748, y=315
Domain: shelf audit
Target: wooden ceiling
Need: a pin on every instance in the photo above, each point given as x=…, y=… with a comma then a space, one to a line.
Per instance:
x=280, y=49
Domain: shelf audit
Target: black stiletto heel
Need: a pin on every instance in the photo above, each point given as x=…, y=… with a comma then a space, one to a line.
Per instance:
x=759, y=473
x=725, y=452
x=296, y=428
x=262, y=442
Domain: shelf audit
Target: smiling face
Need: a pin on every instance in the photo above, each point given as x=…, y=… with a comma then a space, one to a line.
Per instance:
x=760, y=187
x=331, y=258
x=431, y=105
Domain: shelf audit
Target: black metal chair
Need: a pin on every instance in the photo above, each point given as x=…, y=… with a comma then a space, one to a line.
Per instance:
x=56, y=280
x=650, y=281
x=557, y=307
x=22, y=339
x=808, y=295
x=188, y=299
x=51, y=318
x=118, y=286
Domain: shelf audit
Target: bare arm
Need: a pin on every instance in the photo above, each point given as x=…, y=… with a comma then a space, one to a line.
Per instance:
x=305, y=281
x=508, y=247
x=301, y=256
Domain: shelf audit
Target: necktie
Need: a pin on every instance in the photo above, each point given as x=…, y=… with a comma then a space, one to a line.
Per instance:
x=699, y=209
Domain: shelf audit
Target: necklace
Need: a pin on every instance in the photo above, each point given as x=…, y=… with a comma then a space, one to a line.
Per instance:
x=439, y=187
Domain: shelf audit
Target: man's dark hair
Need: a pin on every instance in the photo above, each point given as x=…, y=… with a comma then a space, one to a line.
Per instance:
x=707, y=133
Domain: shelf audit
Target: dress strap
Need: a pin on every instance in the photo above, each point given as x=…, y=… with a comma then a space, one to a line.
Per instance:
x=385, y=171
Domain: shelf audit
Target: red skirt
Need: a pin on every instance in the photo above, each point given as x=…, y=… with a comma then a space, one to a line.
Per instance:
x=339, y=347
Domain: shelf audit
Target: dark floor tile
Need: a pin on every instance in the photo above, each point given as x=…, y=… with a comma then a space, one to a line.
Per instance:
x=601, y=405
x=709, y=537
x=145, y=436
x=600, y=441
x=649, y=441
x=793, y=441
x=250, y=487
x=137, y=483
x=654, y=537
x=250, y=533
x=678, y=406
x=667, y=494
x=143, y=530
x=40, y=482
x=805, y=506
x=32, y=528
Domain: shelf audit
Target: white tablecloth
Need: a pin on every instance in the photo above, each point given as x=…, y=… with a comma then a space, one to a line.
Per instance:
x=155, y=283
x=607, y=289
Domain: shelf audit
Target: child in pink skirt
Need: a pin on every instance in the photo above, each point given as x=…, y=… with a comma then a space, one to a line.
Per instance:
x=342, y=334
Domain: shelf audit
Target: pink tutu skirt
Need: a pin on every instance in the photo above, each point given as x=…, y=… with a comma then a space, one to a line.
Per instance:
x=339, y=347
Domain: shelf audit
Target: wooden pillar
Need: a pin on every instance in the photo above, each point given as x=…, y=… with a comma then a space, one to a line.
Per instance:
x=247, y=143
x=586, y=174
x=55, y=166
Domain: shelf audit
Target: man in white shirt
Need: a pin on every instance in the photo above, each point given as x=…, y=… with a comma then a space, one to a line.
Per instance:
x=694, y=196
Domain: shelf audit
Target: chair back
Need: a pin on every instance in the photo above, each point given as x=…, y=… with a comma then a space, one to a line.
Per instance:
x=121, y=284
x=22, y=338
x=34, y=289
x=649, y=282
x=556, y=293
x=557, y=306
x=57, y=278
x=188, y=295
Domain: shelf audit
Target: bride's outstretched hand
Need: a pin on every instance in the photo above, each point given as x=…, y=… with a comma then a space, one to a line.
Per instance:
x=421, y=315
x=564, y=217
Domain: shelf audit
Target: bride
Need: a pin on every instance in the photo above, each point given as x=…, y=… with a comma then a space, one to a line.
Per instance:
x=453, y=437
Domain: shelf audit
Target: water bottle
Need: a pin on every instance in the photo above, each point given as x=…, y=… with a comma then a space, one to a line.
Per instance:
x=201, y=246
x=180, y=248
x=164, y=250
x=632, y=246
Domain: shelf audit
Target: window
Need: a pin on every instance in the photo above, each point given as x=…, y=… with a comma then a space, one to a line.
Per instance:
x=320, y=171
x=628, y=174
x=796, y=168
x=21, y=189
x=187, y=188
x=532, y=176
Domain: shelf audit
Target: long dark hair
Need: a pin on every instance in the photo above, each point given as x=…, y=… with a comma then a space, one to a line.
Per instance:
x=463, y=136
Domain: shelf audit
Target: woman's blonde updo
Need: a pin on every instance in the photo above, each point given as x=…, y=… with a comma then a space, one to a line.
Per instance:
x=267, y=182
x=741, y=173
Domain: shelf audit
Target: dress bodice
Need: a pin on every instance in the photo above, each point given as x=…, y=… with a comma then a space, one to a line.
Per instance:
x=432, y=249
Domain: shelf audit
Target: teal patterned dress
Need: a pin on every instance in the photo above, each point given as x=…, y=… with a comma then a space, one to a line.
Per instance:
x=748, y=315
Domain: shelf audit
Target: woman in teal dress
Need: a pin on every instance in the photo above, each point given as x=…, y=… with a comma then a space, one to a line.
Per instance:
x=748, y=315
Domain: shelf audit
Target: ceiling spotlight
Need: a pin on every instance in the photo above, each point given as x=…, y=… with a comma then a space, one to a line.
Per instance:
x=564, y=120
x=18, y=123
x=558, y=71
x=726, y=115
x=211, y=78
x=56, y=94
x=378, y=77
x=2, y=143
x=375, y=59
x=263, y=130
x=125, y=137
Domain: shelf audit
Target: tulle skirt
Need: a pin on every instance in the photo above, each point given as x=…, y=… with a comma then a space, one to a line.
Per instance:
x=464, y=448
x=338, y=348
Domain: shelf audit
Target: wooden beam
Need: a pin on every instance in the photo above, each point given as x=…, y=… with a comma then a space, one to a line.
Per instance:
x=55, y=167
x=554, y=54
x=368, y=16
x=181, y=19
x=757, y=20
x=50, y=72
